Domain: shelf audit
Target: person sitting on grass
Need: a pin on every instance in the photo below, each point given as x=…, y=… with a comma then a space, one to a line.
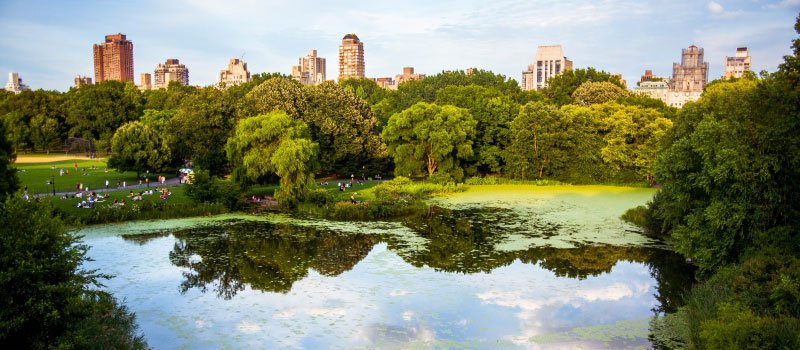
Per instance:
x=353, y=198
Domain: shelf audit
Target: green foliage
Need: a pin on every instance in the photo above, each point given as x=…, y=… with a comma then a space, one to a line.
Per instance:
x=593, y=92
x=752, y=305
x=47, y=301
x=95, y=112
x=404, y=188
x=206, y=189
x=546, y=142
x=343, y=125
x=200, y=128
x=636, y=216
x=632, y=135
x=494, y=180
x=560, y=88
x=493, y=113
x=430, y=138
x=274, y=143
x=137, y=147
x=8, y=174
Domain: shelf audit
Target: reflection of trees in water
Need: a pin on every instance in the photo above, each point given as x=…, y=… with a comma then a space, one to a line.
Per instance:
x=263, y=255
x=269, y=257
x=143, y=238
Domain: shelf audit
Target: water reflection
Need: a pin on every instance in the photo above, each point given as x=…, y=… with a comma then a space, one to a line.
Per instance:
x=226, y=258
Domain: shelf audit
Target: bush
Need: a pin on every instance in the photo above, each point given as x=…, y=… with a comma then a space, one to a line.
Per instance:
x=207, y=189
x=320, y=196
x=495, y=180
x=46, y=300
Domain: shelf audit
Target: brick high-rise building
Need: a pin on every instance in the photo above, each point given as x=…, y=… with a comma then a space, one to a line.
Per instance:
x=113, y=59
x=736, y=66
x=171, y=70
x=351, y=57
x=310, y=70
x=550, y=61
x=408, y=75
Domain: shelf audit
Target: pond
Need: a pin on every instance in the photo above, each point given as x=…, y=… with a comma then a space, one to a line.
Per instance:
x=490, y=268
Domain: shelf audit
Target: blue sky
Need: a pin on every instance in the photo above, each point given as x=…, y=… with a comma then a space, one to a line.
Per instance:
x=49, y=42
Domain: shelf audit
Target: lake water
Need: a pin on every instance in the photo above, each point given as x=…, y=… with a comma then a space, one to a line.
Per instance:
x=491, y=268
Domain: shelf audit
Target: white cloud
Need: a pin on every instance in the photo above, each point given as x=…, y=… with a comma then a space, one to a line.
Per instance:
x=715, y=7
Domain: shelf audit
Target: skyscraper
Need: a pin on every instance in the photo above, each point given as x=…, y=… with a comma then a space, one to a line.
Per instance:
x=351, y=57
x=736, y=66
x=145, y=81
x=15, y=84
x=691, y=74
x=82, y=80
x=113, y=59
x=236, y=74
x=310, y=69
x=171, y=70
x=549, y=62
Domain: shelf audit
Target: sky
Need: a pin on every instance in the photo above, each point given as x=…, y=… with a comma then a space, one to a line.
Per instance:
x=50, y=42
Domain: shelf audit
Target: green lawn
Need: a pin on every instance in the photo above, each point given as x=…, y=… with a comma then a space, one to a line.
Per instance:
x=364, y=190
x=36, y=175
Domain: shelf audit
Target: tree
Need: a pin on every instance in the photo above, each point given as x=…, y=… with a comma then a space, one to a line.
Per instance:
x=546, y=141
x=592, y=92
x=560, y=88
x=9, y=182
x=344, y=127
x=47, y=301
x=493, y=112
x=431, y=138
x=632, y=135
x=137, y=147
x=277, y=93
x=274, y=143
x=44, y=132
x=95, y=112
x=199, y=130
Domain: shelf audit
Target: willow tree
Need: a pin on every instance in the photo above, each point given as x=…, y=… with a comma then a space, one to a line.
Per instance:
x=136, y=146
x=430, y=138
x=274, y=143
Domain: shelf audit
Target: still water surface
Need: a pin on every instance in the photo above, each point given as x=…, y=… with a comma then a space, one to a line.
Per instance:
x=539, y=269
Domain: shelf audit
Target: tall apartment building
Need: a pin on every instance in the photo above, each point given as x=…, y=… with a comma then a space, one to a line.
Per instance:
x=736, y=66
x=351, y=58
x=15, y=84
x=310, y=70
x=408, y=75
x=236, y=74
x=145, y=81
x=549, y=62
x=113, y=59
x=689, y=78
x=691, y=74
x=82, y=80
x=171, y=70
x=653, y=86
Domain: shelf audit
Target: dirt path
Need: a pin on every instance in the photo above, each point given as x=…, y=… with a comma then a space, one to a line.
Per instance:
x=23, y=159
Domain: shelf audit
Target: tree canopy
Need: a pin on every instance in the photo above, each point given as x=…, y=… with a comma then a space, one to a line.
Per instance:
x=137, y=147
x=274, y=143
x=428, y=139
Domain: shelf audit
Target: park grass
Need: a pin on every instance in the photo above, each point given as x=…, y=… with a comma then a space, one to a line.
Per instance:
x=150, y=207
x=35, y=176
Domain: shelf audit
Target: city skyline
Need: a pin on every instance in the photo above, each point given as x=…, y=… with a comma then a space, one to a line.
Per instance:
x=49, y=47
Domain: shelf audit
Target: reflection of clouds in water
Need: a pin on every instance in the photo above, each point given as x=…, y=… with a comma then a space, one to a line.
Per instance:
x=379, y=334
x=407, y=315
x=542, y=310
x=398, y=293
x=248, y=327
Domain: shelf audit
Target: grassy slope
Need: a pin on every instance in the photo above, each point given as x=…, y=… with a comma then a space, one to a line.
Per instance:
x=36, y=175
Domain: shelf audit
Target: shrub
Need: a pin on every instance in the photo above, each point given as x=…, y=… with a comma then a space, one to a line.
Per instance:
x=207, y=189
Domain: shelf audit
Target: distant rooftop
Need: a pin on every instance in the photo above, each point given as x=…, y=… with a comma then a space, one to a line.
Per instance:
x=350, y=36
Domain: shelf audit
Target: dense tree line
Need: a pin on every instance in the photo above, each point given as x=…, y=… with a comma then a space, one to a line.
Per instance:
x=583, y=128
x=730, y=200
